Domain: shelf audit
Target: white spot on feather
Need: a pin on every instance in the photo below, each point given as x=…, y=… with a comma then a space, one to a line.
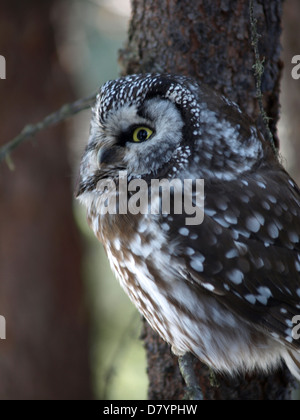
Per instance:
x=252, y=224
x=208, y=286
x=235, y=276
x=184, y=231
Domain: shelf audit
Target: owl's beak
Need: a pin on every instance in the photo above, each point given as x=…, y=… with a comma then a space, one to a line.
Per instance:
x=106, y=156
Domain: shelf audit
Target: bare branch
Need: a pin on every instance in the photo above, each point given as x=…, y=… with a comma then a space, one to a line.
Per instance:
x=29, y=131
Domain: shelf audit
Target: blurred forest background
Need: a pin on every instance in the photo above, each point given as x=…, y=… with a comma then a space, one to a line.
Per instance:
x=71, y=331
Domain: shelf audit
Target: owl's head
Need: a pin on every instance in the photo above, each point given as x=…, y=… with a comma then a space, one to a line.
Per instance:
x=157, y=125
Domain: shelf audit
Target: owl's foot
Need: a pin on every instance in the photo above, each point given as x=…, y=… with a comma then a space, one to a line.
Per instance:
x=193, y=391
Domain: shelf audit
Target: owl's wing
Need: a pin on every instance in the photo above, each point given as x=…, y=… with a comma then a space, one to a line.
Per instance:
x=247, y=250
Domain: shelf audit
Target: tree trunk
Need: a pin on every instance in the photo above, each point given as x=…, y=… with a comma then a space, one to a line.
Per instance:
x=45, y=354
x=209, y=40
x=290, y=95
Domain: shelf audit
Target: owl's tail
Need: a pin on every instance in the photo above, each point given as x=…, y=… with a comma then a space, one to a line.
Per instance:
x=292, y=360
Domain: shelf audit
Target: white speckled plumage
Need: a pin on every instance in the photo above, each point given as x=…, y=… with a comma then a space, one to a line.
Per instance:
x=226, y=289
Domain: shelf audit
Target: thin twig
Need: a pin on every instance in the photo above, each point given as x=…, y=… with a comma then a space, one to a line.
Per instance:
x=258, y=68
x=56, y=117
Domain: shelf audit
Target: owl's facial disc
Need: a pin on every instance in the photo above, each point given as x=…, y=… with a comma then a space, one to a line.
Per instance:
x=139, y=140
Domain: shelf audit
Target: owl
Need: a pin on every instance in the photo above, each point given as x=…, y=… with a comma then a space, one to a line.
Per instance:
x=224, y=286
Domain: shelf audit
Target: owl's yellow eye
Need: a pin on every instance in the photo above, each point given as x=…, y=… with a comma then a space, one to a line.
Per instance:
x=141, y=134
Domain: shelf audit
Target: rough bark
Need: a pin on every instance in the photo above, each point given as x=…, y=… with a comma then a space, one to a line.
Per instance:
x=45, y=354
x=290, y=95
x=209, y=40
